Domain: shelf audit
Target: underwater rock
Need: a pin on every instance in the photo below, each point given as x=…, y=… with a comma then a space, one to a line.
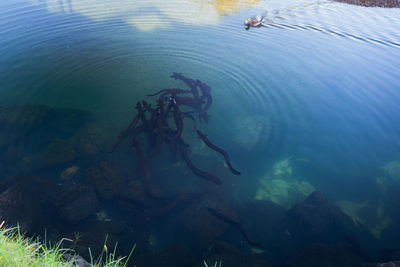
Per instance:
x=174, y=255
x=263, y=221
x=36, y=126
x=133, y=191
x=18, y=122
x=282, y=169
x=318, y=220
x=33, y=137
x=129, y=209
x=167, y=177
x=222, y=252
x=388, y=187
x=371, y=214
x=76, y=203
x=250, y=133
x=64, y=122
x=91, y=139
x=69, y=173
x=138, y=207
x=280, y=187
x=316, y=255
x=390, y=254
x=58, y=152
x=392, y=169
x=23, y=116
x=82, y=241
x=108, y=226
x=226, y=189
x=389, y=264
x=372, y=3
x=283, y=192
x=200, y=225
x=28, y=201
x=106, y=179
x=17, y=206
x=18, y=139
x=77, y=261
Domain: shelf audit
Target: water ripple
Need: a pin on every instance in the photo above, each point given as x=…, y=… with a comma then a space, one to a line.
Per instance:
x=299, y=65
x=328, y=31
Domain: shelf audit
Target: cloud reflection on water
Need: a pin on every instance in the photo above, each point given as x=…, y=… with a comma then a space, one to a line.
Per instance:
x=151, y=14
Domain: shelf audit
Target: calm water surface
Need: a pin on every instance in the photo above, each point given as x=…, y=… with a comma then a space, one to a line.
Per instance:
x=310, y=101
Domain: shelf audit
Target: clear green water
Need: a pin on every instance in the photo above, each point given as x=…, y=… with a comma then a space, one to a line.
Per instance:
x=307, y=102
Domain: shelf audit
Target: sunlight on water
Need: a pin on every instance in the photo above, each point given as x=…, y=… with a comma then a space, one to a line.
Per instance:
x=187, y=11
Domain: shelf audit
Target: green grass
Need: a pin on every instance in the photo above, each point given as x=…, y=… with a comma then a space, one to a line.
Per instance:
x=216, y=264
x=17, y=250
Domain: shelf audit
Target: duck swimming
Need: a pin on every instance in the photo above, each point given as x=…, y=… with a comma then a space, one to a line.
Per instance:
x=254, y=22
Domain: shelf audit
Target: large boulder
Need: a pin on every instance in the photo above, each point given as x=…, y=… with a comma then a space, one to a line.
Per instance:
x=36, y=126
x=133, y=191
x=27, y=201
x=281, y=186
x=59, y=151
x=328, y=255
x=224, y=253
x=33, y=137
x=18, y=122
x=318, y=220
x=18, y=207
x=106, y=179
x=76, y=203
x=263, y=222
x=202, y=227
x=93, y=139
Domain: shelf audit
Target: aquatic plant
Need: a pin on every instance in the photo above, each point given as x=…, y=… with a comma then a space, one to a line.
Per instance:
x=392, y=169
x=280, y=187
x=366, y=214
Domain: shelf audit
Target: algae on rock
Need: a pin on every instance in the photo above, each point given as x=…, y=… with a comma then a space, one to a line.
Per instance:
x=280, y=187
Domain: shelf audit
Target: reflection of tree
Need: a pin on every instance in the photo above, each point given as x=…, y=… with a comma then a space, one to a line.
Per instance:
x=225, y=7
x=149, y=14
x=61, y=4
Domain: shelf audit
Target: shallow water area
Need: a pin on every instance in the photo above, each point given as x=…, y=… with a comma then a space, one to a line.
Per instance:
x=306, y=102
